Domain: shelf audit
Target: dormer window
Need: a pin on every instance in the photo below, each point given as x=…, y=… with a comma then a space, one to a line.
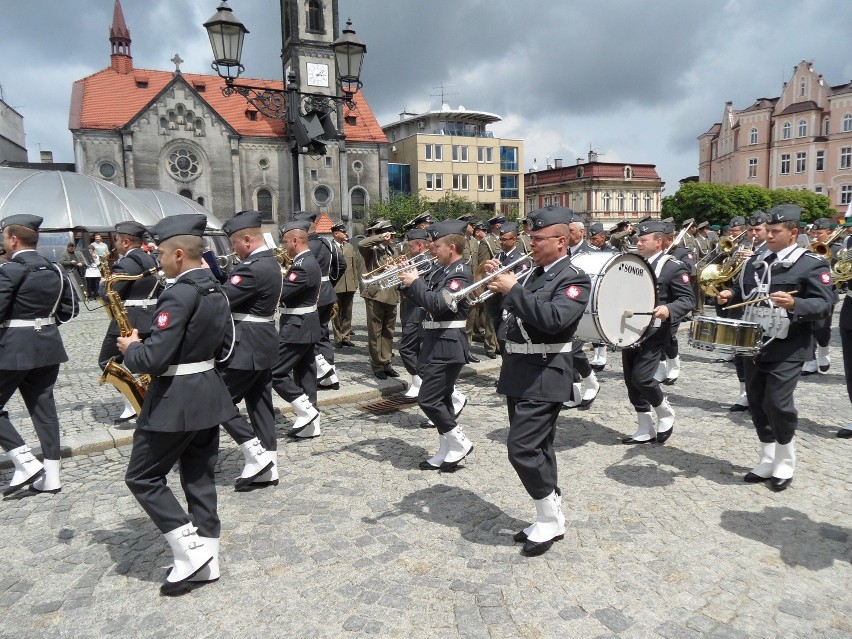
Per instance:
x=201, y=88
x=141, y=84
x=351, y=120
x=251, y=114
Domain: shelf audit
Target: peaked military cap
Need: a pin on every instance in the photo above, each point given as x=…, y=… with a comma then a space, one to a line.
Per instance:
x=497, y=219
x=417, y=234
x=300, y=225
x=340, y=226
x=242, y=220
x=687, y=222
x=480, y=226
x=132, y=228
x=423, y=218
x=447, y=227
x=174, y=225
x=651, y=226
x=508, y=227
x=737, y=220
x=596, y=228
x=470, y=218
x=647, y=218
x=550, y=215
x=32, y=222
x=668, y=220
x=702, y=225
x=382, y=225
x=784, y=213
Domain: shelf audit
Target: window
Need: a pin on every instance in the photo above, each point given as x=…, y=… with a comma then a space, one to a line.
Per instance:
x=314, y=174
x=484, y=154
x=634, y=202
x=315, y=17
x=480, y=154
x=801, y=161
x=439, y=153
x=620, y=200
x=786, y=131
x=557, y=200
x=818, y=190
x=439, y=181
x=607, y=201
x=846, y=157
x=803, y=128
x=322, y=195
x=820, y=160
x=329, y=161
x=826, y=126
x=107, y=170
x=579, y=171
x=264, y=205
x=802, y=87
x=846, y=194
x=430, y=181
x=547, y=200
x=508, y=158
x=628, y=174
x=464, y=156
x=647, y=201
x=183, y=164
x=785, y=164
x=428, y=152
x=489, y=155
x=358, y=203
x=460, y=181
x=480, y=182
x=847, y=122
x=455, y=153
x=509, y=187
x=460, y=153
x=489, y=182
x=752, y=167
x=752, y=136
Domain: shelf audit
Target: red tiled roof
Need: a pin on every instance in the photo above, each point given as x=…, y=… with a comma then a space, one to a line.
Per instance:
x=109, y=100
x=324, y=223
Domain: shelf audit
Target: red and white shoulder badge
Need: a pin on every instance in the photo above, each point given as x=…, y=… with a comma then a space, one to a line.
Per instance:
x=236, y=279
x=162, y=320
x=573, y=292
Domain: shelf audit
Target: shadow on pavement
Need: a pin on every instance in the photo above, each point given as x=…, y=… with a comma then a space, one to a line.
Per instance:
x=685, y=464
x=398, y=452
x=138, y=550
x=801, y=541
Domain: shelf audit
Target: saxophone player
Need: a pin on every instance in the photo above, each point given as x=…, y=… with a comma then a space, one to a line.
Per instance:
x=139, y=297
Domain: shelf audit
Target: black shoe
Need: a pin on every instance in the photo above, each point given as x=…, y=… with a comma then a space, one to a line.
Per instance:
x=255, y=485
x=339, y=345
x=11, y=490
x=824, y=369
x=597, y=367
x=738, y=408
x=425, y=465
x=426, y=424
x=536, y=548
x=662, y=437
x=451, y=466
x=521, y=537
x=473, y=359
x=175, y=588
x=630, y=440
x=242, y=482
x=122, y=420
x=391, y=372
x=751, y=478
x=778, y=484
x=490, y=355
x=335, y=386
x=806, y=373
x=347, y=343
x=380, y=374
x=668, y=381
x=844, y=433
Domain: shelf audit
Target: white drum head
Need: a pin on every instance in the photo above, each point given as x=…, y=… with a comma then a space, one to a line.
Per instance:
x=622, y=286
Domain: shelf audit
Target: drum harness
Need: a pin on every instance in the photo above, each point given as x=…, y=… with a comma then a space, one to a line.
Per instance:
x=772, y=319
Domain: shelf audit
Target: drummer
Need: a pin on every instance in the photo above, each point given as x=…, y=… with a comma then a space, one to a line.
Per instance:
x=675, y=300
x=598, y=239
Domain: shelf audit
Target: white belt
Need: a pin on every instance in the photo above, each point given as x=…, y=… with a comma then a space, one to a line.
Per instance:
x=515, y=348
x=188, y=369
x=33, y=323
x=325, y=278
x=142, y=303
x=430, y=325
x=247, y=317
x=300, y=310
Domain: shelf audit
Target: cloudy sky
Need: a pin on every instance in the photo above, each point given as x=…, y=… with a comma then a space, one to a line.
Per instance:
x=636, y=81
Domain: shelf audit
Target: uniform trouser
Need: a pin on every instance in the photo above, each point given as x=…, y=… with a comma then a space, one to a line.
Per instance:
x=36, y=388
x=770, y=387
x=153, y=456
x=532, y=428
x=342, y=324
x=256, y=388
x=846, y=343
x=579, y=361
x=822, y=330
x=672, y=348
x=409, y=346
x=296, y=360
x=109, y=347
x=490, y=333
x=381, y=321
x=323, y=346
x=699, y=295
x=639, y=365
x=738, y=364
x=436, y=393
x=474, y=322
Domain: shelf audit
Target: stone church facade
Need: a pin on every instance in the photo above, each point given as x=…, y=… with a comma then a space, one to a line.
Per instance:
x=176, y=132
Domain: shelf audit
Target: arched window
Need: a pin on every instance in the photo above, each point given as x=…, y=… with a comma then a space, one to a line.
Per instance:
x=752, y=136
x=628, y=173
x=802, y=87
x=647, y=201
x=358, y=203
x=607, y=201
x=803, y=128
x=826, y=126
x=264, y=205
x=315, y=17
x=286, y=10
x=786, y=131
x=847, y=122
x=621, y=201
x=185, y=193
x=634, y=202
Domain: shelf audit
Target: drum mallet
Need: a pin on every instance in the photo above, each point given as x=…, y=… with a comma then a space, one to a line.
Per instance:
x=630, y=312
x=755, y=300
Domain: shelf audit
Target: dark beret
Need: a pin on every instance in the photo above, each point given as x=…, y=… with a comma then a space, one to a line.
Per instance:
x=757, y=218
x=715, y=227
x=509, y=227
x=174, y=225
x=447, y=227
x=822, y=224
x=550, y=215
x=417, y=234
x=131, y=228
x=784, y=213
x=651, y=226
x=738, y=220
x=243, y=220
x=301, y=225
x=32, y=222
x=596, y=228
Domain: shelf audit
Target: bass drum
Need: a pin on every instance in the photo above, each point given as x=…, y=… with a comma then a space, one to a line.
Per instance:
x=623, y=285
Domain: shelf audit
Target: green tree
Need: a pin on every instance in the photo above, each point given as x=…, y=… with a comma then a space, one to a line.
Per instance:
x=399, y=209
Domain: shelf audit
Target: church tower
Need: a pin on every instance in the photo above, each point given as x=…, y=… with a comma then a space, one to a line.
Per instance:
x=119, y=39
x=309, y=28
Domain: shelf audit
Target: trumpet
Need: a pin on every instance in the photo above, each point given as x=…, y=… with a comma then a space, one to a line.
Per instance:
x=478, y=292
x=389, y=276
x=679, y=238
x=224, y=261
x=824, y=248
x=387, y=264
x=726, y=245
x=283, y=257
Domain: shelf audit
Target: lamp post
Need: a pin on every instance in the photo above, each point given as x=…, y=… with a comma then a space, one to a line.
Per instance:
x=307, y=116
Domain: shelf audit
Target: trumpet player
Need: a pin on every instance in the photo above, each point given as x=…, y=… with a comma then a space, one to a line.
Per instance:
x=444, y=347
x=824, y=237
x=509, y=253
x=789, y=288
x=381, y=302
x=139, y=297
x=412, y=315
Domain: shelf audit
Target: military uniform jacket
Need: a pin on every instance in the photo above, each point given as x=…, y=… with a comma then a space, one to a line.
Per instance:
x=411, y=312
x=30, y=286
x=142, y=293
x=348, y=283
x=582, y=248
x=301, y=290
x=489, y=247
x=471, y=253
x=447, y=345
x=254, y=288
x=674, y=288
x=375, y=252
x=685, y=255
x=809, y=275
x=331, y=266
x=549, y=306
x=192, y=324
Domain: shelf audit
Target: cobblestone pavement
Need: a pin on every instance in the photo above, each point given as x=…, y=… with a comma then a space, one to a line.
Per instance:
x=661, y=541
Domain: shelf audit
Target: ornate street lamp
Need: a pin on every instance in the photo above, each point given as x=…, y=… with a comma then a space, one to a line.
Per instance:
x=226, y=34
x=349, y=52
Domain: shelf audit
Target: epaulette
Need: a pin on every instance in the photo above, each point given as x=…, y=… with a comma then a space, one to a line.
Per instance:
x=298, y=262
x=816, y=256
x=576, y=270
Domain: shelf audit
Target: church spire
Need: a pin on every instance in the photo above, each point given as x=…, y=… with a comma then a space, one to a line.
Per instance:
x=119, y=38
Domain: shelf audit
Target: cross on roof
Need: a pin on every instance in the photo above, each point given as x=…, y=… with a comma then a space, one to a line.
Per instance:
x=177, y=61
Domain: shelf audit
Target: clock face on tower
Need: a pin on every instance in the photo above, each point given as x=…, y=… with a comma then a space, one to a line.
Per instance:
x=317, y=74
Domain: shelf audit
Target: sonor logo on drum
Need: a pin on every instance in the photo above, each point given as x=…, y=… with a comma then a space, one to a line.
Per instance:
x=633, y=269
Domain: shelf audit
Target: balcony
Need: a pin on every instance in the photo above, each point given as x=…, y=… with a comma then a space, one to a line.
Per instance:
x=506, y=166
x=508, y=194
x=464, y=134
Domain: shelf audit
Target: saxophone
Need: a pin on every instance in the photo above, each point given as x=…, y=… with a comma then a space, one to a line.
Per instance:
x=133, y=387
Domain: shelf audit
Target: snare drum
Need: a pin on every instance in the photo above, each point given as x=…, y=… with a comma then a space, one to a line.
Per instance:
x=623, y=284
x=725, y=335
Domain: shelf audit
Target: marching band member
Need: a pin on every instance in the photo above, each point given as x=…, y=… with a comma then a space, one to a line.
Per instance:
x=471, y=254
x=444, y=346
x=509, y=253
x=598, y=239
x=799, y=290
x=411, y=316
x=294, y=376
x=138, y=297
x=381, y=303
x=345, y=287
x=845, y=328
x=35, y=295
x=489, y=248
x=675, y=301
x=253, y=289
x=543, y=312
x=820, y=362
x=184, y=405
